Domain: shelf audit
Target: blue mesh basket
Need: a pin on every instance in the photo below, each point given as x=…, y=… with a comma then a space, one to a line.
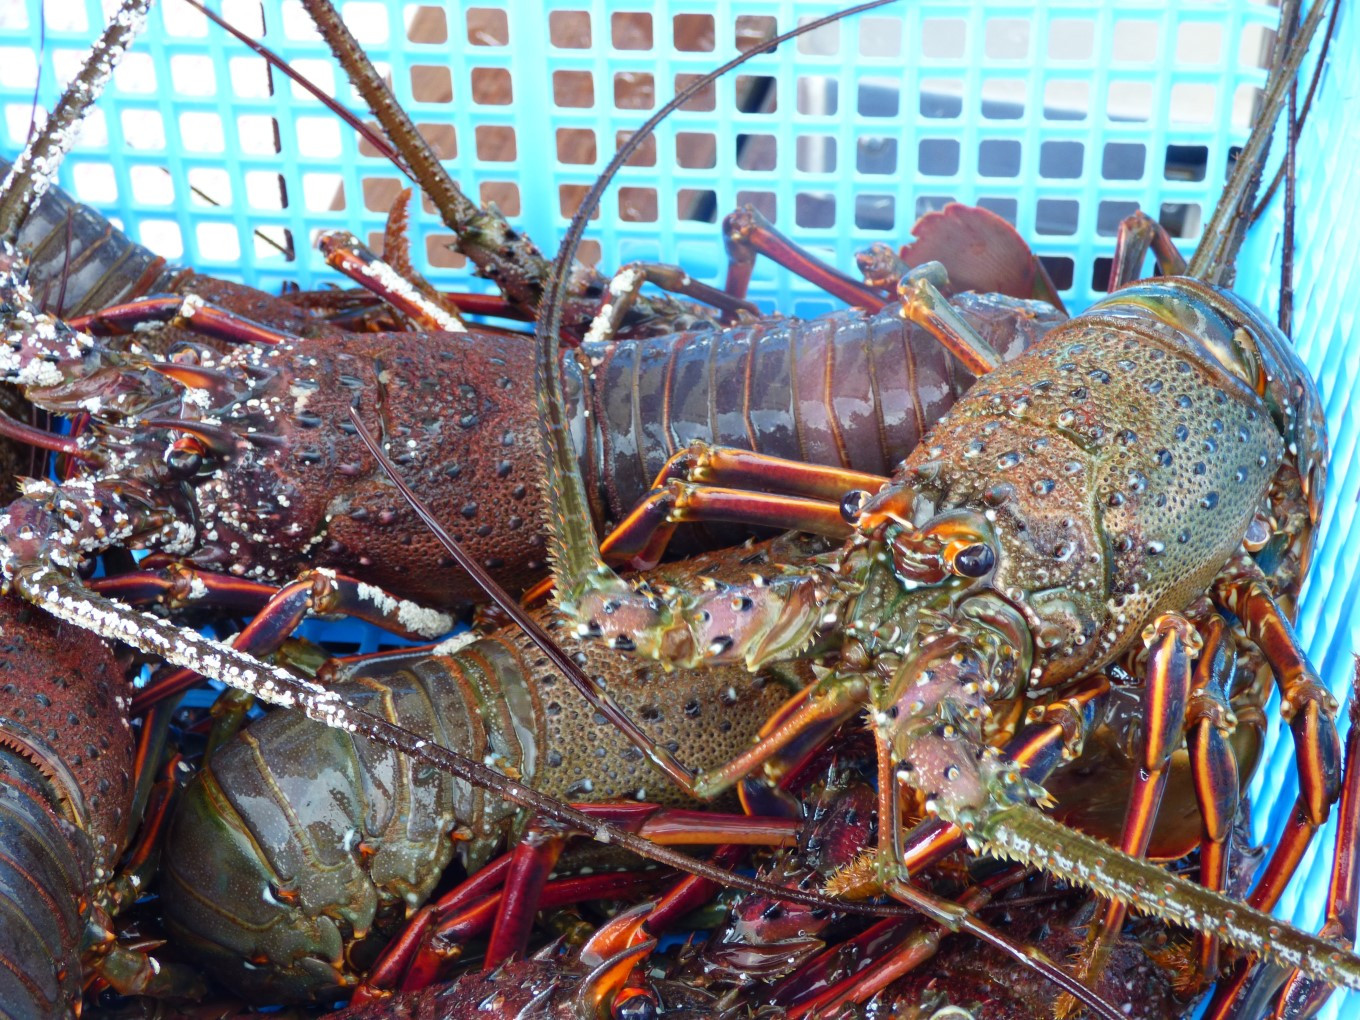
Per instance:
x=1063, y=116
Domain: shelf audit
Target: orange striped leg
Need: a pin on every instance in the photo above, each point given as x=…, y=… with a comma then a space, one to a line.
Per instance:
x=1172, y=641
x=740, y=486
x=923, y=304
x=1302, y=997
x=1213, y=765
x=1305, y=703
x=747, y=234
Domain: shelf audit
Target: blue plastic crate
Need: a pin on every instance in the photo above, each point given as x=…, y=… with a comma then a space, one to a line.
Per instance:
x=1061, y=115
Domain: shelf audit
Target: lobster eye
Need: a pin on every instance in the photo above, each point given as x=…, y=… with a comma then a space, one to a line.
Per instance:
x=637, y=1006
x=183, y=463
x=852, y=504
x=974, y=560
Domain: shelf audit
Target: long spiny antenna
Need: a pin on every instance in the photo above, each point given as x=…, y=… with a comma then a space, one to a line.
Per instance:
x=1214, y=258
x=36, y=167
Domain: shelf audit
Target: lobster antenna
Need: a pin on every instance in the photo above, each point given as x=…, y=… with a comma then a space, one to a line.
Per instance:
x=274, y=60
x=573, y=550
x=1212, y=261
x=36, y=167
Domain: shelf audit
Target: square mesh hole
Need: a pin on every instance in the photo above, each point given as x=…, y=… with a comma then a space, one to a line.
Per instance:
x=757, y=93
x=1061, y=160
x=1006, y=38
x=1003, y=99
x=944, y=38
x=631, y=30
x=1056, y=216
x=491, y=86
x=703, y=101
x=816, y=154
x=1100, y=274
x=941, y=98
x=503, y=194
x=938, y=157
x=932, y=203
x=880, y=37
x=1186, y=162
x=696, y=150
x=1067, y=100
x=763, y=202
x=570, y=197
x=442, y=138
x=999, y=157
x=427, y=25
x=1129, y=101
x=1061, y=270
x=756, y=152
x=694, y=33
x=822, y=42
x=644, y=155
x=634, y=90
x=576, y=146
x=875, y=212
x=700, y=204
x=878, y=97
x=439, y=252
x=1181, y=219
x=637, y=205
x=496, y=143
x=487, y=26
x=1006, y=208
x=1193, y=103
x=817, y=95
x=569, y=30
x=1110, y=214
x=1134, y=42
x=1123, y=161
x=814, y=209
x=573, y=88
x=1071, y=39
x=753, y=30
x=876, y=155
x=431, y=83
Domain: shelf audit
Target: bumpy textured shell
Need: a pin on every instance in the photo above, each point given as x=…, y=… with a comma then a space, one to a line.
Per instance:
x=296, y=841
x=65, y=795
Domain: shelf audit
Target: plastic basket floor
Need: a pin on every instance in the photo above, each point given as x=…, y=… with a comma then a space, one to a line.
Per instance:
x=1062, y=116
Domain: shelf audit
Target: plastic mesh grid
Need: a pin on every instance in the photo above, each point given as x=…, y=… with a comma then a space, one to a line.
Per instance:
x=1060, y=116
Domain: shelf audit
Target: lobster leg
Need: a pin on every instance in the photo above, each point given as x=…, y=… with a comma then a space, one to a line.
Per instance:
x=1137, y=233
x=925, y=305
x=207, y=318
x=1172, y=642
x=626, y=285
x=1305, y=703
x=747, y=234
x=781, y=493
x=1301, y=996
x=346, y=253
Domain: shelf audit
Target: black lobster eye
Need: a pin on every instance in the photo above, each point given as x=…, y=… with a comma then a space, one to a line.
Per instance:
x=975, y=560
x=852, y=503
x=183, y=463
x=637, y=1006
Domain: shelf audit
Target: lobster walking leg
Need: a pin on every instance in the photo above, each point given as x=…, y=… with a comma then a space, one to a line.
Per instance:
x=1136, y=234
